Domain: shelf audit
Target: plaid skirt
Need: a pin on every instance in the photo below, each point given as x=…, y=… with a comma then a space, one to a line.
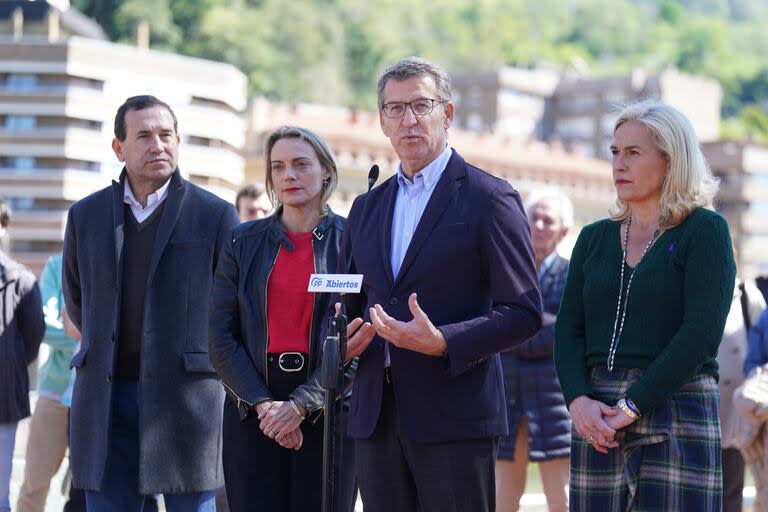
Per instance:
x=668, y=460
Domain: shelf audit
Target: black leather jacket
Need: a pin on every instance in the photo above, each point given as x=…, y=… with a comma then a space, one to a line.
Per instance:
x=238, y=324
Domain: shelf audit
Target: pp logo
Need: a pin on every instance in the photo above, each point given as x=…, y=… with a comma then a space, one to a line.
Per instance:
x=316, y=282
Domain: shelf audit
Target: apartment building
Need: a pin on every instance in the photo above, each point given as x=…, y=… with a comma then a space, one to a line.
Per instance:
x=61, y=83
x=576, y=111
x=509, y=102
x=743, y=199
x=582, y=111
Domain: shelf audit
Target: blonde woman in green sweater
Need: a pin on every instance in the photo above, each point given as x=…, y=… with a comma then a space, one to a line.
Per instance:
x=643, y=312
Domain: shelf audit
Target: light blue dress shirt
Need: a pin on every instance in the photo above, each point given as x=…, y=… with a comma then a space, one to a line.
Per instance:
x=412, y=199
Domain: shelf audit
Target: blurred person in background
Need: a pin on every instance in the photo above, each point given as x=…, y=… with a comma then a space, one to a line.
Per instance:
x=47, y=441
x=757, y=348
x=643, y=312
x=252, y=202
x=265, y=335
x=746, y=307
x=762, y=285
x=21, y=331
x=751, y=401
x=539, y=423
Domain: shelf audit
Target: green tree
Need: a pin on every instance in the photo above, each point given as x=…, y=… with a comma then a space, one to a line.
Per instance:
x=102, y=11
x=164, y=34
x=702, y=46
x=332, y=51
x=755, y=121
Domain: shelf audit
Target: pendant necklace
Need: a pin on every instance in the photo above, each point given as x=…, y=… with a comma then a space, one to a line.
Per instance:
x=618, y=327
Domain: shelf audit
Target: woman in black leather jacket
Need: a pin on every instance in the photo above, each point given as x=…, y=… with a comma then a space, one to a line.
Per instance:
x=265, y=334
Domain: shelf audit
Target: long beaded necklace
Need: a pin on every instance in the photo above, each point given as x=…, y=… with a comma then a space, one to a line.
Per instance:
x=623, y=315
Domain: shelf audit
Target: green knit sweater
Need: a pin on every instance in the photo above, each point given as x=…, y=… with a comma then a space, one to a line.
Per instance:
x=680, y=297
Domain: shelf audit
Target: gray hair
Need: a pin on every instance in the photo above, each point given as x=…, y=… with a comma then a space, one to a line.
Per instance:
x=410, y=67
x=689, y=183
x=553, y=196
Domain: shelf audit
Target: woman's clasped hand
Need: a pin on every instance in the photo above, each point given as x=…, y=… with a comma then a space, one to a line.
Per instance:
x=279, y=421
x=597, y=422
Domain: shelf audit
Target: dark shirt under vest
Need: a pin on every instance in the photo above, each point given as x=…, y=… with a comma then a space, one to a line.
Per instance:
x=139, y=241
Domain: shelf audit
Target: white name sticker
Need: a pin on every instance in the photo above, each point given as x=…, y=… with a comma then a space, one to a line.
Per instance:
x=340, y=283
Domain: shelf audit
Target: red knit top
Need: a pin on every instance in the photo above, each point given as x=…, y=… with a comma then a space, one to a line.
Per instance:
x=289, y=305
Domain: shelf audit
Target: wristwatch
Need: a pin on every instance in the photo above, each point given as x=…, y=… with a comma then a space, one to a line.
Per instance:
x=626, y=409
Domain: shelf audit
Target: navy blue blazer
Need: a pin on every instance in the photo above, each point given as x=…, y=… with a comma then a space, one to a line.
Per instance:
x=472, y=265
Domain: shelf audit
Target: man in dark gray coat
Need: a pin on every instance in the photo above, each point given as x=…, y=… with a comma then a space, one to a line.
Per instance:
x=139, y=258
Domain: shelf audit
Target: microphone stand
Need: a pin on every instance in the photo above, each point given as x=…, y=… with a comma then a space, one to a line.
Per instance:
x=332, y=381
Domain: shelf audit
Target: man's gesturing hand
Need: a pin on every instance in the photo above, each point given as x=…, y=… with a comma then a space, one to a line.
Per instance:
x=419, y=335
x=359, y=336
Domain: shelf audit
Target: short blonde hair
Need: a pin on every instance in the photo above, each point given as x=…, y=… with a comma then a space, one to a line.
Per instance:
x=324, y=156
x=689, y=183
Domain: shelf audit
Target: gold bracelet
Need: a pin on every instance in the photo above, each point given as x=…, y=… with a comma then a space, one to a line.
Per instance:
x=623, y=407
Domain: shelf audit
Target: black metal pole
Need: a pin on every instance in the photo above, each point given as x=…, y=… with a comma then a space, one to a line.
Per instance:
x=338, y=425
x=329, y=380
x=332, y=381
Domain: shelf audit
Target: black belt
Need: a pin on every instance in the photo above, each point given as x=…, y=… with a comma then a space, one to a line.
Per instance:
x=288, y=362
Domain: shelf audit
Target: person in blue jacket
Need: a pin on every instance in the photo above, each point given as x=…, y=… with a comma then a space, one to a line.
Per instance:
x=539, y=423
x=757, y=350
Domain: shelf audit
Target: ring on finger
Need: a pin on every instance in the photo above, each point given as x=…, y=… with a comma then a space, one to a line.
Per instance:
x=590, y=438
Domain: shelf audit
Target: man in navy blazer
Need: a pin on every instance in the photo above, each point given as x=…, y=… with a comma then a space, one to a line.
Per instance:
x=449, y=282
x=139, y=258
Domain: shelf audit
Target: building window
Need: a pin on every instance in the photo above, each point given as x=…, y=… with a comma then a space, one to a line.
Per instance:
x=474, y=98
x=576, y=127
x=607, y=122
x=585, y=150
x=21, y=82
x=21, y=204
x=578, y=104
x=20, y=123
x=475, y=122
x=614, y=100
x=21, y=163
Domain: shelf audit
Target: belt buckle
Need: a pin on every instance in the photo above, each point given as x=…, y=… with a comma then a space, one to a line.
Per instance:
x=298, y=355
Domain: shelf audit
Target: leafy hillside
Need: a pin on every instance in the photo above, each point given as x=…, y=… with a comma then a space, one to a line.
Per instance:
x=331, y=50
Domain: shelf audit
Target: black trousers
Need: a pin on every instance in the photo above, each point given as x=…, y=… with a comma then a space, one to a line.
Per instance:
x=396, y=474
x=262, y=476
x=733, y=480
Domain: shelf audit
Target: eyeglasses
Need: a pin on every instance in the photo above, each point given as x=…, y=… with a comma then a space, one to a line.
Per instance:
x=420, y=107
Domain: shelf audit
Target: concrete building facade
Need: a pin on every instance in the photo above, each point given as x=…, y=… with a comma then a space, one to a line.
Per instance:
x=583, y=110
x=60, y=87
x=743, y=199
x=577, y=111
x=508, y=102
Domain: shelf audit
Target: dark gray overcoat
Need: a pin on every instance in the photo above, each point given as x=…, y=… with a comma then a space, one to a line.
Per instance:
x=180, y=398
